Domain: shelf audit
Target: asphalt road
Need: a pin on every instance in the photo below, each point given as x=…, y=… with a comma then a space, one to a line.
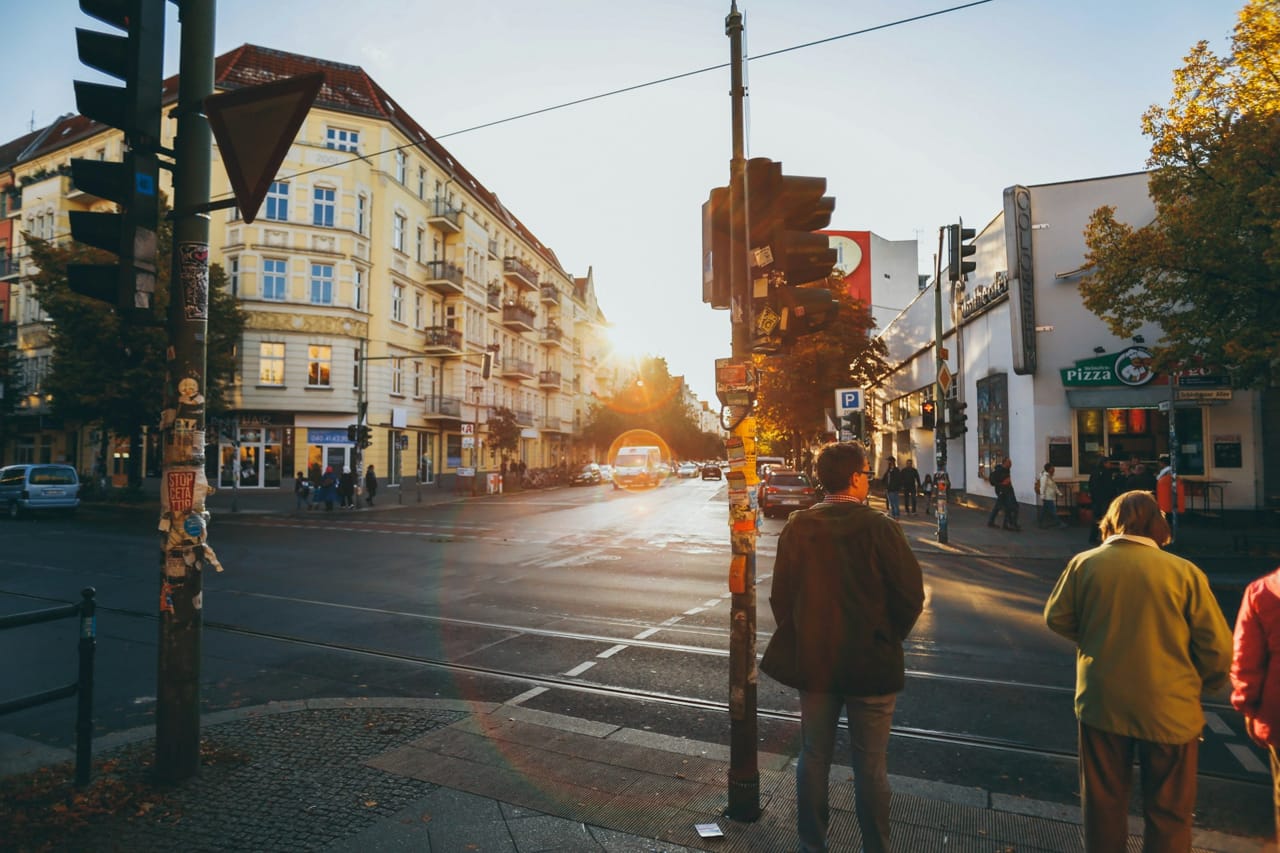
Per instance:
x=591, y=602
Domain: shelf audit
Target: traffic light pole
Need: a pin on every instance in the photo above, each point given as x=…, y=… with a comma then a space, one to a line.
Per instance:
x=744, y=773
x=941, y=481
x=183, y=518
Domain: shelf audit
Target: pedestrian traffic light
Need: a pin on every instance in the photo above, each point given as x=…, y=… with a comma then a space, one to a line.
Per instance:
x=784, y=212
x=366, y=436
x=958, y=249
x=715, y=249
x=956, y=418
x=137, y=58
x=928, y=413
x=352, y=432
x=486, y=365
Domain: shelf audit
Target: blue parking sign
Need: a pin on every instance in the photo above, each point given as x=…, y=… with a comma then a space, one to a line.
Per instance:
x=849, y=399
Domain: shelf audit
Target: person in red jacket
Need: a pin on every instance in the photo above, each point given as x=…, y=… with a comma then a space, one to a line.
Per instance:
x=1255, y=670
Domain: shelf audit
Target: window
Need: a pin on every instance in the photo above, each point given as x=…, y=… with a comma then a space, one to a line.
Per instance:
x=319, y=365
x=342, y=140
x=321, y=284
x=422, y=182
x=402, y=165
x=357, y=291
x=397, y=233
x=397, y=376
x=323, y=206
x=274, y=282
x=417, y=310
x=417, y=378
x=421, y=245
x=233, y=272
x=270, y=363
x=397, y=303
x=278, y=201
x=362, y=206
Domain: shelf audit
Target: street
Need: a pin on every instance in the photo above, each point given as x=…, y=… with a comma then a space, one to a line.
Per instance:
x=595, y=603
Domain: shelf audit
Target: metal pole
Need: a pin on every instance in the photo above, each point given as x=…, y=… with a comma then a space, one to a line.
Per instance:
x=940, y=480
x=84, y=687
x=744, y=772
x=1173, y=458
x=183, y=488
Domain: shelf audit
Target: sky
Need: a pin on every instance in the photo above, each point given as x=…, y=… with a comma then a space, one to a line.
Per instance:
x=912, y=125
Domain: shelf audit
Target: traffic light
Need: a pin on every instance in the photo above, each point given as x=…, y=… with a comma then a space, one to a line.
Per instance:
x=137, y=58
x=486, y=365
x=366, y=436
x=352, y=432
x=715, y=249
x=851, y=423
x=956, y=418
x=783, y=212
x=928, y=413
x=958, y=250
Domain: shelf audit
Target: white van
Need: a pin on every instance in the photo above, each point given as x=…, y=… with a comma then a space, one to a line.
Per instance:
x=765, y=462
x=638, y=465
x=28, y=487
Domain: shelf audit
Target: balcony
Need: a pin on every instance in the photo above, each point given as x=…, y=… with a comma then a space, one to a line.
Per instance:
x=549, y=379
x=517, y=317
x=444, y=216
x=442, y=408
x=445, y=277
x=9, y=267
x=524, y=418
x=552, y=336
x=493, y=298
x=519, y=273
x=493, y=249
x=441, y=339
x=550, y=294
x=517, y=368
x=554, y=423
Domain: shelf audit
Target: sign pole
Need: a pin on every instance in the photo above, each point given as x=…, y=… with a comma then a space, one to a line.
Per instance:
x=940, y=479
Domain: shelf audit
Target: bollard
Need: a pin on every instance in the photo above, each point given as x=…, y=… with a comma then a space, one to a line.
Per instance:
x=84, y=688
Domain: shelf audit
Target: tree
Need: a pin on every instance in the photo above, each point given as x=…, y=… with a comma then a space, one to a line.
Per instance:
x=651, y=399
x=113, y=374
x=1207, y=269
x=504, y=430
x=797, y=388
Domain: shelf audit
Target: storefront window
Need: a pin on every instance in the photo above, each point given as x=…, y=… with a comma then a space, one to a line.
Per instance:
x=453, y=451
x=1190, y=425
x=1141, y=433
x=993, y=421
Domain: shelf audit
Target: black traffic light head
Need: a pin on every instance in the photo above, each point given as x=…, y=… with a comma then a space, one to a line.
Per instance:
x=486, y=365
x=928, y=414
x=137, y=58
x=353, y=432
x=366, y=436
x=956, y=418
x=958, y=248
x=806, y=310
x=715, y=249
x=783, y=212
x=851, y=423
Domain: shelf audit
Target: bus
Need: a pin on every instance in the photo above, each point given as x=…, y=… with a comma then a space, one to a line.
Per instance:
x=638, y=465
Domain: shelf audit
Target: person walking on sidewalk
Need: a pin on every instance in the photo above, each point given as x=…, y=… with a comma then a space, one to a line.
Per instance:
x=892, y=478
x=1150, y=638
x=1102, y=491
x=301, y=491
x=909, y=480
x=927, y=488
x=1255, y=671
x=328, y=490
x=1047, y=489
x=1002, y=482
x=847, y=590
x=370, y=485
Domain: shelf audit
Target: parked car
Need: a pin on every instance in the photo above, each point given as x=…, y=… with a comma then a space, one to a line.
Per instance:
x=589, y=476
x=687, y=469
x=711, y=472
x=782, y=490
x=32, y=487
x=606, y=473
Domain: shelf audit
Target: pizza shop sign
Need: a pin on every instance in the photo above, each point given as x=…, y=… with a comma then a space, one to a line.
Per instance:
x=1131, y=367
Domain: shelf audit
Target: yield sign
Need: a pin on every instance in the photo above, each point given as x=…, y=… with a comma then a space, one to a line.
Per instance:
x=254, y=128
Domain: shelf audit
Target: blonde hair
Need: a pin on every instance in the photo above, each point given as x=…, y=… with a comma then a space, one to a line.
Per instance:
x=1136, y=513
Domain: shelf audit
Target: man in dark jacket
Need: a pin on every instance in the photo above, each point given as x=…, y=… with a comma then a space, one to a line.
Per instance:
x=846, y=592
x=909, y=480
x=1002, y=482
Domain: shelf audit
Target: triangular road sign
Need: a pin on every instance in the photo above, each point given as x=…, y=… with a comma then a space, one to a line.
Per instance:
x=254, y=128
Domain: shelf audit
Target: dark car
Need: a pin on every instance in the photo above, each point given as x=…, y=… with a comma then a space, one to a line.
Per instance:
x=782, y=490
x=589, y=476
x=711, y=472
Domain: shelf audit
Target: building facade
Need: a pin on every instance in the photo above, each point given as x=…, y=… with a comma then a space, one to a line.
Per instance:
x=379, y=278
x=1039, y=378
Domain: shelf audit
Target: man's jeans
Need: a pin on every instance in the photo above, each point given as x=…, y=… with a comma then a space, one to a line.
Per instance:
x=869, y=720
x=892, y=498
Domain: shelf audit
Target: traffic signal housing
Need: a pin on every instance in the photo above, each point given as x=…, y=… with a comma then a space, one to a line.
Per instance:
x=715, y=249
x=851, y=423
x=928, y=414
x=486, y=365
x=365, y=436
x=352, y=432
x=956, y=418
x=137, y=58
x=958, y=249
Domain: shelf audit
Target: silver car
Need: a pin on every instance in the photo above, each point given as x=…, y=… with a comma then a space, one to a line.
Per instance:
x=31, y=487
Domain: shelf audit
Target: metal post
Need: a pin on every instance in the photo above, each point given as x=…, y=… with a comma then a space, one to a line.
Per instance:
x=84, y=687
x=1173, y=458
x=183, y=489
x=744, y=773
x=940, y=479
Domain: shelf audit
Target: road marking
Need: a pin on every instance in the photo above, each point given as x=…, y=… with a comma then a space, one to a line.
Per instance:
x=706, y=605
x=669, y=622
x=608, y=653
x=646, y=633
x=692, y=611
x=1247, y=759
x=580, y=668
x=1216, y=724
x=527, y=695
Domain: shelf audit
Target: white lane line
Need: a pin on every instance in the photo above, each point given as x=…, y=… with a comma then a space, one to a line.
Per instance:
x=706, y=605
x=669, y=622
x=646, y=634
x=608, y=653
x=1217, y=725
x=527, y=695
x=580, y=668
x=693, y=611
x=1247, y=759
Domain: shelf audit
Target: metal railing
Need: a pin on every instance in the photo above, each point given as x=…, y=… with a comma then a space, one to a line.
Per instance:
x=82, y=687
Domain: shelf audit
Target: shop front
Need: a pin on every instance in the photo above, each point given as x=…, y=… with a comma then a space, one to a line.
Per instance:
x=254, y=450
